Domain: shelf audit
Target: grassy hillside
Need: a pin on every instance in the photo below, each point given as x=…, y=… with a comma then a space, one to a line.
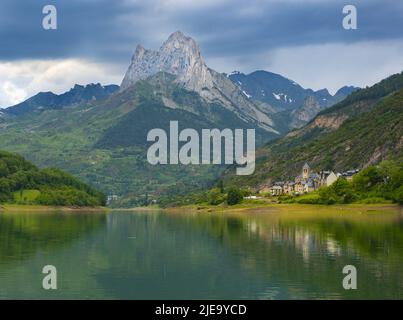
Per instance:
x=371, y=131
x=357, y=103
x=23, y=183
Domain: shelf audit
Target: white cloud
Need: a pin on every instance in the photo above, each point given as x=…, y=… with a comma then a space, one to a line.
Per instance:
x=314, y=66
x=10, y=92
x=336, y=65
x=22, y=79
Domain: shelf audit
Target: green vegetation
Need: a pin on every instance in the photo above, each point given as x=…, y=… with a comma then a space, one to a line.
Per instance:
x=377, y=91
x=26, y=196
x=23, y=183
x=234, y=196
x=375, y=184
x=103, y=143
x=215, y=196
x=363, y=130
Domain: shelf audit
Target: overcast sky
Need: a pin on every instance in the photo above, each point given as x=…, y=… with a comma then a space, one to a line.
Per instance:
x=301, y=39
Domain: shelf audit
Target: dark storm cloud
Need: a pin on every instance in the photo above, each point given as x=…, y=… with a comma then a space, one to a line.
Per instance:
x=109, y=30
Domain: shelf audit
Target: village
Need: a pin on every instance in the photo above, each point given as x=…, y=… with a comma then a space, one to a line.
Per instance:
x=306, y=182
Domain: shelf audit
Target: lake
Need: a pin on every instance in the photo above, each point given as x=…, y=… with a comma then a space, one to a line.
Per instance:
x=279, y=253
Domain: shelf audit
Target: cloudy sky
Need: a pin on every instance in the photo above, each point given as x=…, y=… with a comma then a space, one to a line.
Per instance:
x=301, y=39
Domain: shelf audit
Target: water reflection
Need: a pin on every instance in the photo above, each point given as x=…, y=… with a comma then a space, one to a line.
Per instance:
x=266, y=255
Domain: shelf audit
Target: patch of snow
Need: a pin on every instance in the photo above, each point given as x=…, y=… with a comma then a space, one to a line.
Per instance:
x=283, y=97
x=248, y=95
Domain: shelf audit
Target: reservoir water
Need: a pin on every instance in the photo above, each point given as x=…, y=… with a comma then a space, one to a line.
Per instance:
x=279, y=253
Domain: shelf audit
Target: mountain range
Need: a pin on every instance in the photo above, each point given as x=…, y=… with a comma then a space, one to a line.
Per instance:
x=292, y=106
x=99, y=132
x=282, y=93
x=48, y=100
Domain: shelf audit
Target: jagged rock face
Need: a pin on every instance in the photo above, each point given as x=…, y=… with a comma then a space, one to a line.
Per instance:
x=307, y=112
x=180, y=56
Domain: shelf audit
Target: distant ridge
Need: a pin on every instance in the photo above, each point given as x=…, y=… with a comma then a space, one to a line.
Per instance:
x=49, y=100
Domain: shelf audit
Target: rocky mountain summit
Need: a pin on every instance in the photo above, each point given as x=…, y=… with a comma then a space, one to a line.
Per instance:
x=180, y=56
x=293, y=105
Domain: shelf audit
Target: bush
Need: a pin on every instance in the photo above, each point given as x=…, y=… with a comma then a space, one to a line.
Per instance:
x=234, y=196
x=309, y=199
x=397, y=196
x=372, y=200
x=66, y=197
x=215, y=197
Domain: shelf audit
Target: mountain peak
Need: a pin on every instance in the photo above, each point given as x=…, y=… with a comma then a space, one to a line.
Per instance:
x=179, y=55
x=76, y=95
x=178, y=43
x=346, y=90
x=138, y=53
x=177, y=35
x=323, y=91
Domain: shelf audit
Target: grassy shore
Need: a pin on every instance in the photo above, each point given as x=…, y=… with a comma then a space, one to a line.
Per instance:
x=244, y=206
x=284, y=207
x=34, y=208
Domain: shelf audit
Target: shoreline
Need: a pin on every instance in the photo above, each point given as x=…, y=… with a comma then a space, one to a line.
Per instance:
x=192, y=209
x=24, y=208
x=279, y=206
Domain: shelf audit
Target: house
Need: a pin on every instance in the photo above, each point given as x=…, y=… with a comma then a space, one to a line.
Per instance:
x=111, y=198
x=327, y=178
x=349, y=174
x=276, y=190
x=307, y=181
x=309, y=186
x=288, y=188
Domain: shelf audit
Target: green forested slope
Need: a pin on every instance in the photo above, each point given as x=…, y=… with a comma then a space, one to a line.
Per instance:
x=366, y=138
x=23, y=183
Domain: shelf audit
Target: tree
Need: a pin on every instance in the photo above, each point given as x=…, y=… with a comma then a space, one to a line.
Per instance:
x=221, y=186
x=234, y=196
x=215, y=197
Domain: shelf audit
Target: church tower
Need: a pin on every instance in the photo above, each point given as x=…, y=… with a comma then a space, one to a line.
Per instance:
x=306, y=171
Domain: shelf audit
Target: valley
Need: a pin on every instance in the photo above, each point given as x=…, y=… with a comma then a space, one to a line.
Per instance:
x=99, y=133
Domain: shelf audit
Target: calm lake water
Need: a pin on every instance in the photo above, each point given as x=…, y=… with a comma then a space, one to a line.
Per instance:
x=295, y=253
